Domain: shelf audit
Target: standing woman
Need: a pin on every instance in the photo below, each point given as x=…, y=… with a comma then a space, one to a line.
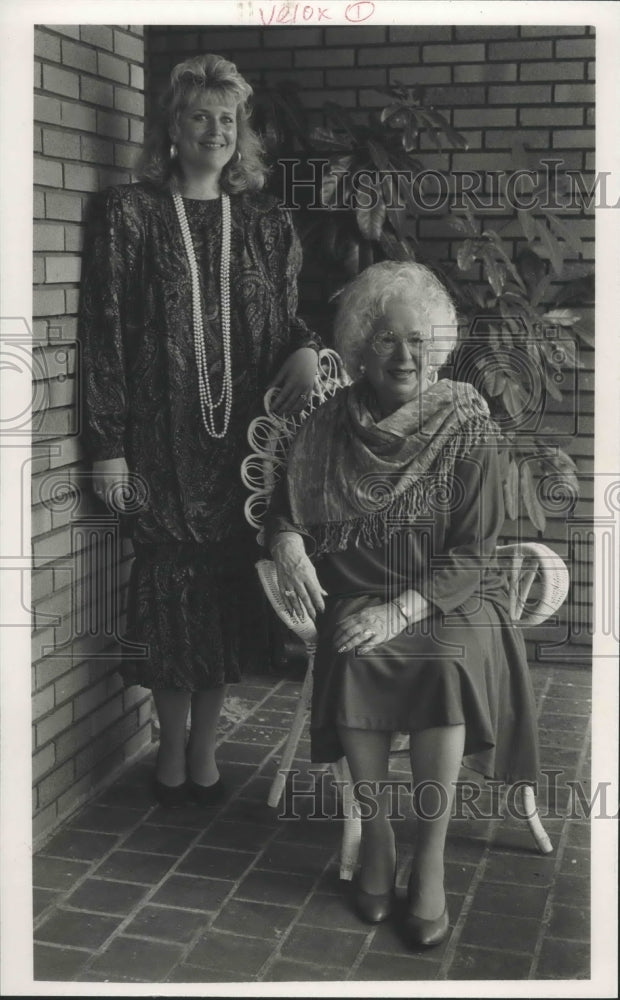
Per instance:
x=188, y=314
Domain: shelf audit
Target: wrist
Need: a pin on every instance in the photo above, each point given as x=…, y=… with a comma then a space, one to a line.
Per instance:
x=402, y=609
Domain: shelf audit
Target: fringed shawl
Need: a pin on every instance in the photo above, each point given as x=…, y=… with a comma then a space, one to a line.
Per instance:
x=353, y=479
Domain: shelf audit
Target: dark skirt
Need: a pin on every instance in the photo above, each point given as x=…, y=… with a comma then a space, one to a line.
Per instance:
x=468, y=667
x=199, y=613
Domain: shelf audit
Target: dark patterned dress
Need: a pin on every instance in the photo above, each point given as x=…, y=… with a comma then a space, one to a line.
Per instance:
x=193, y=600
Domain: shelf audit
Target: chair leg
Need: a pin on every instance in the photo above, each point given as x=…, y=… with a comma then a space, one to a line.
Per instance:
x=533, y=821
x=352, y=826
x=294, y=736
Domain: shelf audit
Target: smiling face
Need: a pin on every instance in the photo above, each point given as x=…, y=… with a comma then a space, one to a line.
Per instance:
x=396, y=355
x=205, y=133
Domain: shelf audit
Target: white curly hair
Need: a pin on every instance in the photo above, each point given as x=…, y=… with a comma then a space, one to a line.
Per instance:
x=363, y=301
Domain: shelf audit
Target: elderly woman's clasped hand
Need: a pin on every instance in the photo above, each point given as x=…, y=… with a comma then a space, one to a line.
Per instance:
x=299, y=585
x=369, y=627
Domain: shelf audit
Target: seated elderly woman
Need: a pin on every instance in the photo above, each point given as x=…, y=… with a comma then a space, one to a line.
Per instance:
x=384, y=530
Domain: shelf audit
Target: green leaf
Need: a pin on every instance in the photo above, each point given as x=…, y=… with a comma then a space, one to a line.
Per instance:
x=561, y=317
x=513, y=398
x=370, y=220
x=495, y=273
x=394, y=248
x=511, y=491
x=466, y=255
x=527, y=224
x=532, y=503
x=351, y=257
x=551, y=246
x=565, y=232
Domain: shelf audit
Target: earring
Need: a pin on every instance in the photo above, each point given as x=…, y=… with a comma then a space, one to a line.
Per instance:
x=173, y=151
x=362, y=369
x=236, y=158
x=432, y=376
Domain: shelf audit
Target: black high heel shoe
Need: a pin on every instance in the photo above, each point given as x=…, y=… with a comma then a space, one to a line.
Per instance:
x=170, y=796
x=207, y=795
x=422, y=933
x=374, y=907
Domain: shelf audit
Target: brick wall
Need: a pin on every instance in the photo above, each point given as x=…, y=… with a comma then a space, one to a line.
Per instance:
x=88, y=125
x=494, y=82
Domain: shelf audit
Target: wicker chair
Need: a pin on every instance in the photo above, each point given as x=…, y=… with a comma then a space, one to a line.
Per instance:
x=269, y=437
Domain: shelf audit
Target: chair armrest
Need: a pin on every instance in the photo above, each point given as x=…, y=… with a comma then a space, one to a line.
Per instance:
x=529, y=559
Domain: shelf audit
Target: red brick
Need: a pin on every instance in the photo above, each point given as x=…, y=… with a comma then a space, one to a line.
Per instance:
x=41, y=583
x=97, y=34
x=504, y=138
x=77, y=116
x=317, y=98
x=591, y=71
x=136, y=131
x=484, y=31
x=46, y=109
x=42, y=703
x=351, y=78
x=552, y=71
x=527, y=94
x=521, y=50
x=136, y=77
x=62, y=393
x=114, y=125
x=48, y=302
x=72, y=297
x=485, y=73
x=128, y=46
x=79, y=56
x=580, y=138
x=125, y=155
x=41, y=517
x=421, y=75
x=221, y=38
x=41, y=823
x=37, y=74
x=95, y=150
x=42, y=761
x=247, y=61
x=293, y=38
x=51, y=725
x=37, y=141
x=96, y=91
x=552, y=116
x=70, y=683
x=453, y=53
x=420, y=33
x=63, y=206
x=574, y=93
x=79, y=177
x=70, y=30
x=380, y=55
x=112, y=68
x=47, y=172
x=455, y=95
x=60, y=81
x=485, y=117
x=63, y=269
x=129, y=101
x=54, y=784
x=356, y=35
x=575, y=49
x=533, y=31
x=61, y=144
x=47, y=46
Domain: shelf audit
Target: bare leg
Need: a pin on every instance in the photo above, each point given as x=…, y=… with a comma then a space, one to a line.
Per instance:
x=206, y=708
x=436, y=756
x=367, y=755
x=172, y=708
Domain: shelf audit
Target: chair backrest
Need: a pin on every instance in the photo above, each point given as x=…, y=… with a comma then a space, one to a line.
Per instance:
x=270, y=438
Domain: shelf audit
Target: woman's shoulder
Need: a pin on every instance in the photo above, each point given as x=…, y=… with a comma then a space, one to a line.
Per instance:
x=262, y=206
x=140, y=196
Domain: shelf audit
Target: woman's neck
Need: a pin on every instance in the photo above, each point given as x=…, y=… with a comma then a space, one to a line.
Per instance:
x=202, y=187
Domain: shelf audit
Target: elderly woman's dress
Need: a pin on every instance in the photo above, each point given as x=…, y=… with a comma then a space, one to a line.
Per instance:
x=193, y=605
x=464, y=663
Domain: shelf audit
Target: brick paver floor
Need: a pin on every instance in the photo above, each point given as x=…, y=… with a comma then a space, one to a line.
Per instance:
x=129, y=892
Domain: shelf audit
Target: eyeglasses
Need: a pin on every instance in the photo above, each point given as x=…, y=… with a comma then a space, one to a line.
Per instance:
x=385, y=342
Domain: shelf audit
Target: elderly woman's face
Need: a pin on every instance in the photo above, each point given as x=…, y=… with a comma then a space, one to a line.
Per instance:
x=206, y=132
x=396, y=355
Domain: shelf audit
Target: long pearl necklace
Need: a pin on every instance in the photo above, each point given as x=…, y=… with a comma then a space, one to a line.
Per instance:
x=207, y=404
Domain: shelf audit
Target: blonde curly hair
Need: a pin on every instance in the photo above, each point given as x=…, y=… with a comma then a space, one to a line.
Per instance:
x=217, y=76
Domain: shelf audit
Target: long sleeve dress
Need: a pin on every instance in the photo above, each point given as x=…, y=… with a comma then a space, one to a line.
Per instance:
x=464, y=663
x=192, y=599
